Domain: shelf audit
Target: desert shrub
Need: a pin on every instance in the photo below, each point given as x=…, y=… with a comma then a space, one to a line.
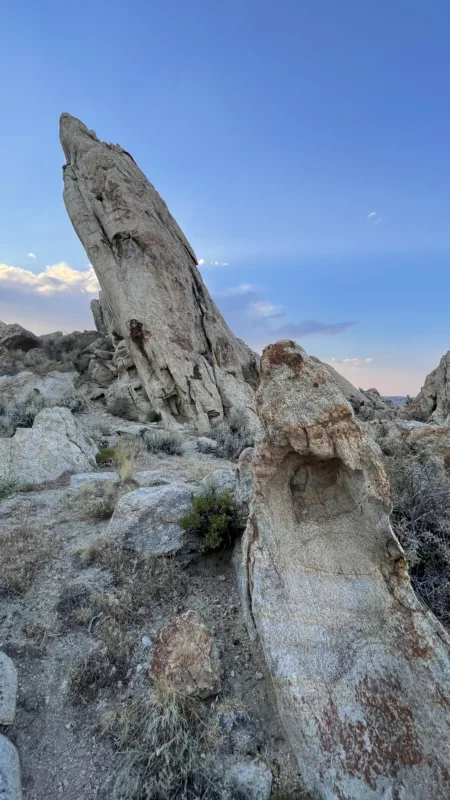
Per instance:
x=24, y=552
x=76, y=605
x=8, y=487
x=421, y=521
x=163, y=751
x=159, y=441
x=104, y=666
x=106, y=456
x=100, y=506
x=23, y=413
x=125, y=454
x=232, y=436
x=216, y=517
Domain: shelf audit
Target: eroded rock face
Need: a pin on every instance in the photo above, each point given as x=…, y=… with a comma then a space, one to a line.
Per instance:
x=14, y=337
x=192, y=367
x=361, y=670
x=185, y=657
x=433, y=401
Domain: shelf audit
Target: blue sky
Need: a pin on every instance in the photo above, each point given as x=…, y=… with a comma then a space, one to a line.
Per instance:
x=303, y=145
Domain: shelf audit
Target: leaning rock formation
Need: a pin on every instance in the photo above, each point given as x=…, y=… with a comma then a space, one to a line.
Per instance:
x=433, y=401
x=192, y=367
x=361, y=670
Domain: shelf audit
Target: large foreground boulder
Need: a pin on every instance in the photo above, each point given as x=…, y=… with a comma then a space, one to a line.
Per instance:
x=361, y=670
x=191, y=365
x=433, y=401
x=54, y=445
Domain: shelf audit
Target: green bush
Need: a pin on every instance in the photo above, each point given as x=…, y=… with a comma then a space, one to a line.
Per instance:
x=216, y=517
x=159, y=441
x=106, y=456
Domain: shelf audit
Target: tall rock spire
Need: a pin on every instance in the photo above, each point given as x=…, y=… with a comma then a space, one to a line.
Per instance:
x=192, y=366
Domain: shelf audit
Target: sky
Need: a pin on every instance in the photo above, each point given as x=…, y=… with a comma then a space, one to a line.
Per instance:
x=302, y=146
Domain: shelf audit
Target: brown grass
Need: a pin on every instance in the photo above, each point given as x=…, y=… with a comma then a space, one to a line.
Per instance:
x=24, y=553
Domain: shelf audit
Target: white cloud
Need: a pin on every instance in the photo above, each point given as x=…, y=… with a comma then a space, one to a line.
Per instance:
x=354, y=364
x=31, y=255
x=262, y=309
x=374, y=217
x=57, y=278
x=208, y=264
x=376, y=221
x=372, y=214
x=236, y=291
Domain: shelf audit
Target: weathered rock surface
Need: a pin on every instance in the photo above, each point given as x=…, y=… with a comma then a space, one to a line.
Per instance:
x=361, y=670
x=366, y=403
x=14, y=337
x=148, y=519
x=221, y=480
x=96, y=481
x=433, y=401
x=8, y=691
x=250, y=780
x=54, y=445
x=153, y=477
x=53, y=387
x=10, y=781
x=191, y=365
x=244, y=477
x=185, y=657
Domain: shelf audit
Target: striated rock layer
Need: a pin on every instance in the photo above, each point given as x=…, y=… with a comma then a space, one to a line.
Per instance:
x=193, y=368
x=361, y=670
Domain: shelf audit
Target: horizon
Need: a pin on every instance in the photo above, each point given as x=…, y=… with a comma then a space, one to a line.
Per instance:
x=303, y=152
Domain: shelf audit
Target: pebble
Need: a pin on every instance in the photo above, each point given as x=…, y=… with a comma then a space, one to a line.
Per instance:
x=146, y=641
x=8, y=690
x=232, y=673
x=259, y=676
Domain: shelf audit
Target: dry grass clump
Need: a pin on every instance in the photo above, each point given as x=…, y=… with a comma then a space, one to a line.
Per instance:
x=232, y=436
x=421, y=520
x=76, y=605
x=141, y=580
x=8, y=487
x=125, y=455
x=159, y=441
x=100, y=506
x=163, y=750
x=24, y=552
x=106, y=665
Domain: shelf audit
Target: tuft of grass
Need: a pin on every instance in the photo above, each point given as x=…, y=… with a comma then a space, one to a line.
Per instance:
x=421, y=521
x=125, y=454
x=8, y=487
x=216, y=517
x=100, y=507
x=232, y=436
x=105, y=666
x=76, y=605
x=159, y=441
x=24, y=553
x=162, y=750
x=106, y=456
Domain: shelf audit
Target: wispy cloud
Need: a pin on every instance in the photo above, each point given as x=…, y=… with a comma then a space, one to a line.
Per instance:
x=378, y=220
x=31, y=255
x=310, y=327
x=210, y=264
x=262, y=309
x=57, y=278
x=354, y=364
x=374, y=218
x=372, y=214
x=235, y=291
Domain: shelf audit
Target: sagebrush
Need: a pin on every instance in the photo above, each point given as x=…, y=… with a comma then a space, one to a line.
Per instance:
x=216, y=517
x=160, y=441
x=232, y=436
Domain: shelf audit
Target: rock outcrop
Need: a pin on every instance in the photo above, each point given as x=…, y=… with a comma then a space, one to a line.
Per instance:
x=361, y=670
x=14, y=337
x=433, y=401
x=54, y=445
x=192, y=367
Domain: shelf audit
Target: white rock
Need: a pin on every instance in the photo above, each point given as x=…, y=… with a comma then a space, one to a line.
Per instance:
x=52, y=387
x=148, y=519
x=54, y=445
x=251, y=780
x=360, y=668
x=206, y=445
x=152, y=477
x=93, y=480
x=10, y=781
x=220, y=480
x=8, y=690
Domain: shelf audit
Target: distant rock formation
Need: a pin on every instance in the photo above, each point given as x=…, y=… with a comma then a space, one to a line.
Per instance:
x=14, y=337
x=432, y=404
x=191, y=365
x=361, y=670
x=366, y=403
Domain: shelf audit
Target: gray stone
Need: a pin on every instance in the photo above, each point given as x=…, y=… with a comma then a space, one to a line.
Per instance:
x=206, y=445
x=56, y=444
x=148, y=519
x=191, y=365
x=433, y=401
x=252, y=780
x=360, y=668
x=244, y=477
x=8, y=690
x=93, y=480
x=220, y=480
x=53, y=387
x=153, y=477
x=10, y=781
x=14, y=337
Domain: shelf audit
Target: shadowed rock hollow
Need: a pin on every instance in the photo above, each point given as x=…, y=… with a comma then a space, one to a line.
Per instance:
x=361, y=670
x=193, y=368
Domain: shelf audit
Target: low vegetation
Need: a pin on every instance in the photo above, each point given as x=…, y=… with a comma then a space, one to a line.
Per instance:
x=24, y=552
x=216, y=517
x=160, y=441
x=232, y=436
x=23, y=413
x=163, y=750
x=421, y=521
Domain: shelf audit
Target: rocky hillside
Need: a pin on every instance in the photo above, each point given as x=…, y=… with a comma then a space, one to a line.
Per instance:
x=221, y=579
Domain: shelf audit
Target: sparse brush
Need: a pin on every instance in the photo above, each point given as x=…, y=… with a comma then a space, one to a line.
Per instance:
x=104, y=666
x=159, y=441
x=76, y=605
x=216, y=517
x=24, y=552
x=421, y=520
x=105, y=456
x=125, y=455
x=162, y=750
x=100, y=506
x=8, y=487
x=232, y=436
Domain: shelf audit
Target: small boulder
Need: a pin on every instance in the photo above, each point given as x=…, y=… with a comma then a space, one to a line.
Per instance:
x=185, y=657
x=250, y=780
x=8, y=691
x=93, y=480
x=152, y=477
x=10, y=781
x=148, y=519
x=206, y=445
x=220, y=480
